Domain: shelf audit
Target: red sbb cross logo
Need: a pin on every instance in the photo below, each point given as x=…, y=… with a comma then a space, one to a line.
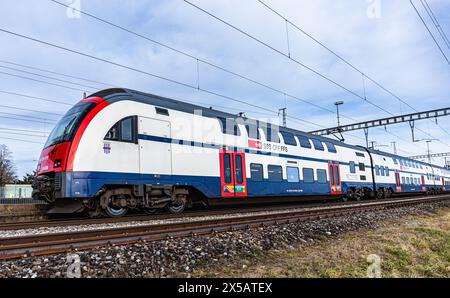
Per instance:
x=255, y=144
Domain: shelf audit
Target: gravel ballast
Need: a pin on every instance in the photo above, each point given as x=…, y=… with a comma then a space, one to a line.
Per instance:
x=182, y=256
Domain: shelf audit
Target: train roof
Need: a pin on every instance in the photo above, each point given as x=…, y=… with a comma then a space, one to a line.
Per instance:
x=118, y=94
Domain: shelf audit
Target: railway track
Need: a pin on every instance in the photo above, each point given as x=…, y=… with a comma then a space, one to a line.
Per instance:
x=17, y=247
x=79, y=221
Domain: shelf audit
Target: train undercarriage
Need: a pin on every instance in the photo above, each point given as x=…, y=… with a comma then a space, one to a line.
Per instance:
x=113, y=200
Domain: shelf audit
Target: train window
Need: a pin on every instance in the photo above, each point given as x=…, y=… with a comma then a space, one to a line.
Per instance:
x=401, y=162
x=275, y=173
x=359, y=154
x=382, y=171
x=162, y=111
x=272, y=135
x=330, y=147
x=304, y=141
x=229, y=126
x=395, y=161
x=362, y=166
x=126, y=130
x=227, y=168
x=377, y=170
x=352, y=167
x=363, y=178
x=123, y=131
x=288, y=138
x=113, y=133
x=308, y=175
x=253, y=132
x=318, y=144
x=407, y=180
x=420, y=166
x=256, y=171
x=387, y=171
x=403, y=180
x=292, y=174
x=322, y=176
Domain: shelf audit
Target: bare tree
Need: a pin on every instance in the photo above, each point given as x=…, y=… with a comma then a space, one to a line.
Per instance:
x=7, y=169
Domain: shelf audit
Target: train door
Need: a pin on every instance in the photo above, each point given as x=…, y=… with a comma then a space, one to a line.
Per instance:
x=422, y=179
x=443, y=183
x=233, y=181
x=335, y=179
x=155, y=146
x=398, y=183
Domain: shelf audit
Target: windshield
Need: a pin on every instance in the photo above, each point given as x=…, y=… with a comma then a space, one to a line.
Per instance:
x=67, y=125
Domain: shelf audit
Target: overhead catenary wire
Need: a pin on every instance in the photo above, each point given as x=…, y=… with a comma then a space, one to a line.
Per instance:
x=197, y=59
x=35, y=97
x=24, y=130
x=435, y=22
x=48, y=77
x=285, y=55
x=29, y=110
x=20, y=140
x=43, y=82
x=57, y=73
x=28, y=120
x=294, y=60
x=429, y=31
x=145, y=73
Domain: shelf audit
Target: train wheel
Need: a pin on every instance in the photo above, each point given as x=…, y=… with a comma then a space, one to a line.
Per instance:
x=380, y=194
x=178, y=206
x=114, y=211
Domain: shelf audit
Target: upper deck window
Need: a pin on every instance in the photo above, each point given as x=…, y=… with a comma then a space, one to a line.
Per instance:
x=253, y=131
x=288, y=138
x=317, y=144
x=229, y=126
x=304, y=141
x=330, y=147
x=272, y=135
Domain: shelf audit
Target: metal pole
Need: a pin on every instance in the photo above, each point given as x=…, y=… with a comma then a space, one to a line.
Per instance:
x=428, y=151
x=283, y=114
x=394, y=144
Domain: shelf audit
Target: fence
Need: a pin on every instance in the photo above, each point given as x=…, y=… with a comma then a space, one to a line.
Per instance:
x=17, y=194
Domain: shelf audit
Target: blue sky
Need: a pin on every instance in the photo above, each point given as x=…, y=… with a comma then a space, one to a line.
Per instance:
x=393, y=47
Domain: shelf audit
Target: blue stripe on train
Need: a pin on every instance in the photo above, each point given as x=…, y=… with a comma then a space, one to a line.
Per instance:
x=87, y=184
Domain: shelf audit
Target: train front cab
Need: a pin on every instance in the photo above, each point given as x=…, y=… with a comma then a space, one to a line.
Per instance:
x=59, y=150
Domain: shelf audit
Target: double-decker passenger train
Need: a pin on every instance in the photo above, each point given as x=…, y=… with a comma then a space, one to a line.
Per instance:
x=120, y=149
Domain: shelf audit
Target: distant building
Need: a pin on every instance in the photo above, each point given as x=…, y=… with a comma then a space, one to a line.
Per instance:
x=15, y=191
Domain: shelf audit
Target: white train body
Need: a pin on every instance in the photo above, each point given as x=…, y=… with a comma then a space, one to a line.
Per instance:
x=123, y=138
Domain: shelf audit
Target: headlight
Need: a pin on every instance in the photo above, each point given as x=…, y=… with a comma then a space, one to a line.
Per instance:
x=57, y=163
